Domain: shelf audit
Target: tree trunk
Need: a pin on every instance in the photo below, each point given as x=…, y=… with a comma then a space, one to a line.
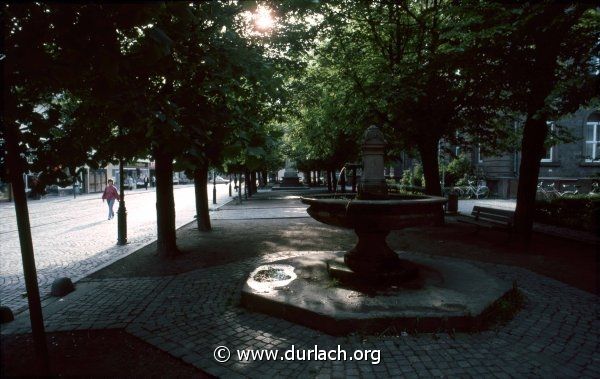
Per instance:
x=239, y=186
x=328, y=174
x=307, y=176
x=431, y=170
x=247, y=191
x=200, y=187
x=166, y=245
x=534, y=135
x=535, y=129
x=253, y=182
x=334, y=181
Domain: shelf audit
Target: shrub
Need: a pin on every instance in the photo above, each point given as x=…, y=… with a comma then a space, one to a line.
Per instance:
x=414, y=177
x=457, y=169
x=577, y=212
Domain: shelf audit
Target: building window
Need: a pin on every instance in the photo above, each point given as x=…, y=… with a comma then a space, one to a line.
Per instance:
x=592, y=141
x=549, y=153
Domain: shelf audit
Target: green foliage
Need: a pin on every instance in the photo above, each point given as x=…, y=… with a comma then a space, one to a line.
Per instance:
x=459, y=168
x=577, y=211
x=188, y=77
x=412, y=68
x=413, y=177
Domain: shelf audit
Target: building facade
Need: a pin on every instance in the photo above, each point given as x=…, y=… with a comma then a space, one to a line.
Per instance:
x=564, y=164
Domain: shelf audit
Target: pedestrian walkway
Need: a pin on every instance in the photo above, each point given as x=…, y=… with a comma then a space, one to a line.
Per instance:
x=72, y=238
x=195, y=315
x=265, y=205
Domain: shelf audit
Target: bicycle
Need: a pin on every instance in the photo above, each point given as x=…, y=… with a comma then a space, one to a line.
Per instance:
x=471, y=190
x=548, y=192
x=569, y=190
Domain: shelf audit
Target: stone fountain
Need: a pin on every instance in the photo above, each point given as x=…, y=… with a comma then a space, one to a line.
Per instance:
x=372, y=215
x=372, y=288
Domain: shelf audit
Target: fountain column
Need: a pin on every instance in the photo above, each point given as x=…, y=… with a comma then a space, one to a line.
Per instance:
x=372, y=183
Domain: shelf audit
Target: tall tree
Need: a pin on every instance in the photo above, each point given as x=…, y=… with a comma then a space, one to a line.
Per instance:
x=405, y=66
x=562, y=39
x=546, y=62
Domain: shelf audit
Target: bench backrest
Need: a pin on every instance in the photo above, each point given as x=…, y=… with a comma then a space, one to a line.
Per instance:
x=502, y=216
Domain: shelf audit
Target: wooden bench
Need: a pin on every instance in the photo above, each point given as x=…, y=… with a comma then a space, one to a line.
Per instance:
x=490, y=218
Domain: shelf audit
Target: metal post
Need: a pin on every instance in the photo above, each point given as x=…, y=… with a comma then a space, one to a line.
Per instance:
x=214, y=187
x=121, y=212
x=24, y=229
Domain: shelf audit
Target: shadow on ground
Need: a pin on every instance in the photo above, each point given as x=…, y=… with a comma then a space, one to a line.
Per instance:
x=569, y=261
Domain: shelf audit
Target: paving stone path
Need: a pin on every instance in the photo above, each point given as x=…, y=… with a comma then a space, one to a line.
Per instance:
x=73, y=238
x=557, y=334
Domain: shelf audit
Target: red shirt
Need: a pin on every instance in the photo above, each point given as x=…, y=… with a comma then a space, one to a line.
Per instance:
x=110, y=193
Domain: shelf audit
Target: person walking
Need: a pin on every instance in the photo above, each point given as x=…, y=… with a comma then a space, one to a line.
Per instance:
x=145, y=182
x=110, y=195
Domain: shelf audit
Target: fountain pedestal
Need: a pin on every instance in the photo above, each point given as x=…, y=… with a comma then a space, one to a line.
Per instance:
x=371, y=253
x=372, y=183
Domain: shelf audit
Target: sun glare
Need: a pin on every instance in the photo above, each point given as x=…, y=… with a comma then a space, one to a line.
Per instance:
x=263, y=19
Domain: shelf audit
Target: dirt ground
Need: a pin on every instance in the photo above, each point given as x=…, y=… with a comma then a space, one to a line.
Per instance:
x=118, y=354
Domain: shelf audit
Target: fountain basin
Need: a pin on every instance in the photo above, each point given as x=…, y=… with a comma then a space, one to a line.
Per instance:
x=372, y=259
x=395, y=212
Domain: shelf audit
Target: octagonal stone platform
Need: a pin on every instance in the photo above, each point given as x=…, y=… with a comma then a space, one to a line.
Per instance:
x=447, y=295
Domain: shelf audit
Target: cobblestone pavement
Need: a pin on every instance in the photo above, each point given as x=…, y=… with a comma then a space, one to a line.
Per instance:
x=557, y=334
x=72, y=237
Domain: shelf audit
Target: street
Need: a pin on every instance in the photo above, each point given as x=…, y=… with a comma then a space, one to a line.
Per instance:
x=73, y=238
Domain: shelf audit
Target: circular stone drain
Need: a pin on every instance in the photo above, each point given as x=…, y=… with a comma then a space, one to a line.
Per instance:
x=268, y=278
x=271, y=274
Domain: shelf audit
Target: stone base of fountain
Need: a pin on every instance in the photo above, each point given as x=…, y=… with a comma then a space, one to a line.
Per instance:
x=442, y=295
x=399, y=273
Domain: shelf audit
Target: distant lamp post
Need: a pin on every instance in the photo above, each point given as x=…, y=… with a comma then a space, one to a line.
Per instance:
x=214, y=187
x=122, y=211
x=75, y=185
